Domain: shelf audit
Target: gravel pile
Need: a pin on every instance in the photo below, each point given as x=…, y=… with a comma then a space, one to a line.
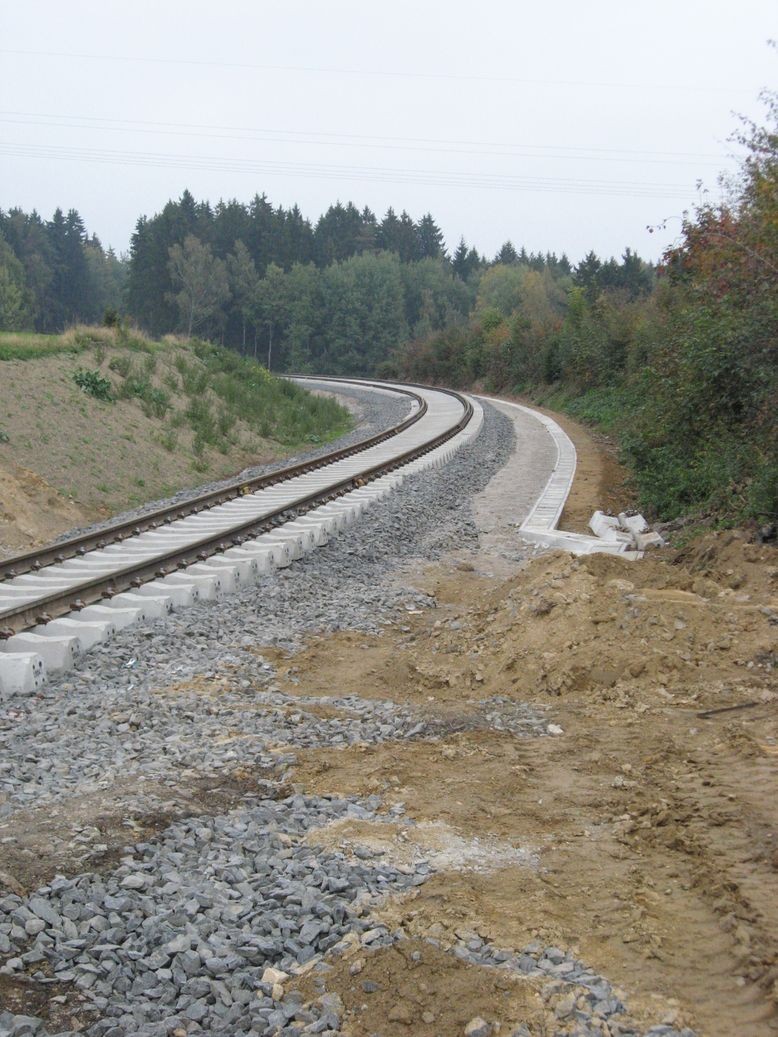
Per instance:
x=374, y=413
x=183, y=930
x=47, y=758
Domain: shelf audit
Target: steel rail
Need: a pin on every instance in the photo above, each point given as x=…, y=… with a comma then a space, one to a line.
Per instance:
x=32, y=561
x=59, y=603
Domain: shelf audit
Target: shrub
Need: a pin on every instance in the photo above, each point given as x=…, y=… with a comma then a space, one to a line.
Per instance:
x=93, y=384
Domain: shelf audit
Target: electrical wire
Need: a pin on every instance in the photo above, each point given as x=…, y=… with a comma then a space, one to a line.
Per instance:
x=436, y=178
x=373, y=142
x=381, y=73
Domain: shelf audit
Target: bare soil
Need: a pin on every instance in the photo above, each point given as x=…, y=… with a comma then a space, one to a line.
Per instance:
x=415, y=988
x=646, y=832
x=32, y=511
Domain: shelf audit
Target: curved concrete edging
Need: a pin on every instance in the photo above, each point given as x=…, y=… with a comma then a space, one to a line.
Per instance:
x=540, y=526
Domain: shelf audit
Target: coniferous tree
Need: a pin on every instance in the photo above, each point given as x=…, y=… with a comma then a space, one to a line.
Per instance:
x=389, y=233
x=507, y=255
x=14, y=298
x=586, y=276
x=459, y=262
x=243, y=281
x=430, y=238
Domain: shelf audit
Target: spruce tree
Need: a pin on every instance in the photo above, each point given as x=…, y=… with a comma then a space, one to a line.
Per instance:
x=430, y=238
x=507, y=254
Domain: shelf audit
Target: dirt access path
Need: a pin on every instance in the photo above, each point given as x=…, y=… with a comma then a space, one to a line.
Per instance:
x=641, y=833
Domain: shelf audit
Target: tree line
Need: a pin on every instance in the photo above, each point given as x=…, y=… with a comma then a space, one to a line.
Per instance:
x=681, y=362
x=338, y=295
x=53, y=274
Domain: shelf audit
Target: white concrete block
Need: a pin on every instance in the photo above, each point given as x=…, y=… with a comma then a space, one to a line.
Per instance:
x=208, y=587
x=314, y=528
x=181, y=596
x=21, y=673
x=88, y=633
x=603, y=525
x=245, y=570
x=58, y=653
x=153, y=606
x=645, y=541
x=227, y=575
x=292, y=541
x=633, y=523
x=266, y=558
x=120, y=617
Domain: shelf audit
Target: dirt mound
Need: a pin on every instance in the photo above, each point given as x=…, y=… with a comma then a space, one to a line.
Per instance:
x=644, y=824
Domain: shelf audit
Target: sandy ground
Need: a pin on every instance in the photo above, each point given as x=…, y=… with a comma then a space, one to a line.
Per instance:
x=654, y=821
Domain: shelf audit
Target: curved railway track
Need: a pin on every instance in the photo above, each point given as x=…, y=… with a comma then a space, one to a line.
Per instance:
x=60, y=600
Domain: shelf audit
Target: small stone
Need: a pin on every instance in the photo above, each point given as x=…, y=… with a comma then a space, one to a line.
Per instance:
x=478, y=1027
x=271, y=976
x=428, y=1017
x=565, y=1007
x=134, y=881
x=400, y=1013
x=356, y=967
x=196, y=1011
x=43, y=909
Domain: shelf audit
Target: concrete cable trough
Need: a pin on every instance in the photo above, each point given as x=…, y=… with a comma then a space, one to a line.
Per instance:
x=541, y=525
x=50, y=615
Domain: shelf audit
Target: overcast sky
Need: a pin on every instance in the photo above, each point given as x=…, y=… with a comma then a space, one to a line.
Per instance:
x=563, y=126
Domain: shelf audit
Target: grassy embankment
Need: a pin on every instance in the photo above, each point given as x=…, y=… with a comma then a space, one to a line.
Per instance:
x=105, y=419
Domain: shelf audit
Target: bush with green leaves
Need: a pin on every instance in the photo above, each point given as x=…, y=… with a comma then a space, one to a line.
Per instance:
x=93, y=384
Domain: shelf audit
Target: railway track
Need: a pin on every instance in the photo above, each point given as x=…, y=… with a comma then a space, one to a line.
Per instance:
x=59, y=601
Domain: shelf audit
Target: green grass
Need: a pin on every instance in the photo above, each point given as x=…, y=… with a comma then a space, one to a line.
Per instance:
x=24, y=345
x=32, y=345
x=226, y=396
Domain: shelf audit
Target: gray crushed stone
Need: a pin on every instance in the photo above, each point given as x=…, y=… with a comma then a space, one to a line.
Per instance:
x=177, y=937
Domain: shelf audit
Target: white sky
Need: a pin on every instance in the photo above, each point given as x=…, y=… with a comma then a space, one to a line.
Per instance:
x=563, y=126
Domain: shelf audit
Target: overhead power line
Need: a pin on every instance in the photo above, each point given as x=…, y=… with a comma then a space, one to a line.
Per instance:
x=382, y=174
x=378, y=73
x=352, y=140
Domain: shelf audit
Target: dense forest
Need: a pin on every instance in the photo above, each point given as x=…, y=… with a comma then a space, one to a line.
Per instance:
x=337, y=296
x=53, y=274
x=679, y=361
